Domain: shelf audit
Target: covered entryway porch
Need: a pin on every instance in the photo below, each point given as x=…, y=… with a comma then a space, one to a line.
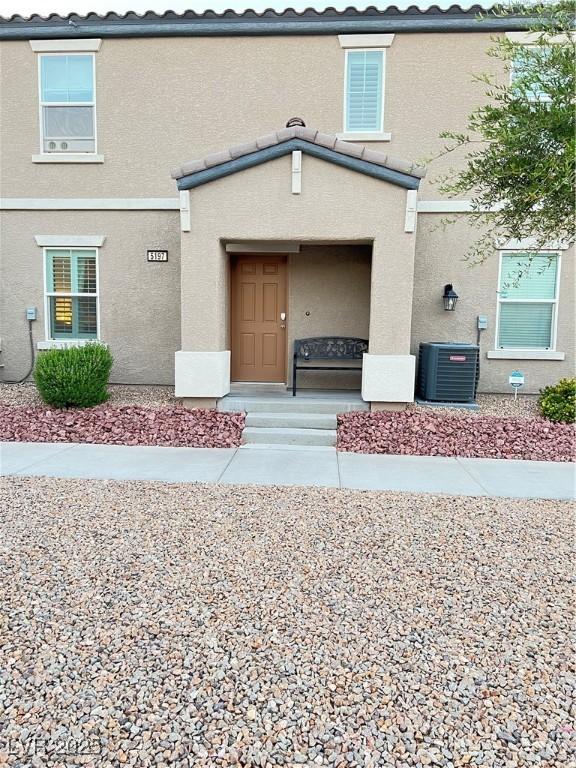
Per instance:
x=308, y=290
x=313, y=238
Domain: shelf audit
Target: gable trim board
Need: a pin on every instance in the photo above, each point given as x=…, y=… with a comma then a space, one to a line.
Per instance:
x=229, y=167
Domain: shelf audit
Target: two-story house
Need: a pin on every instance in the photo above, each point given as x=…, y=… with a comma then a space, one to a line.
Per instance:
x=157, y=195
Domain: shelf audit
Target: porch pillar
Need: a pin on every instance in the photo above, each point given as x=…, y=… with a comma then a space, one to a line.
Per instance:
x=202, y=370
x=389, y=369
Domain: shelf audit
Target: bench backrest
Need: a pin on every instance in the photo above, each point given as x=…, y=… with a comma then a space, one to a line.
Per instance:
x=330, y=348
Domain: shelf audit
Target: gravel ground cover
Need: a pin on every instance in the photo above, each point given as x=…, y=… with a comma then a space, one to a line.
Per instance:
x=503, y=406
x=425, y=433
x=526, y=406
x=180, y=625
x=120, y=394
x=122, y=425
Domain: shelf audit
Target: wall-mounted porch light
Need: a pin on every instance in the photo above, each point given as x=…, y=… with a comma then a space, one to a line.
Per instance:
x=450, y=297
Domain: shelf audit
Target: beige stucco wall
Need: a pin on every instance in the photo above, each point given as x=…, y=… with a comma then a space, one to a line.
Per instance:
x=335, y=205
x=163, y=101
x=139, y=302
x=332, y=284
x=439, y=260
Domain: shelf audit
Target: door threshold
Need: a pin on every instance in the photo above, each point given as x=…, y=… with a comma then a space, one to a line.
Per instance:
x=257, y=388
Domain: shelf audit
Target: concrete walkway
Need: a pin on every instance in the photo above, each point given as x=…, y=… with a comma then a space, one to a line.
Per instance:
x=263, y=465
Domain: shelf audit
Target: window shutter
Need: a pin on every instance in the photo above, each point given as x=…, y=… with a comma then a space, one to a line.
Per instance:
x=364, y=90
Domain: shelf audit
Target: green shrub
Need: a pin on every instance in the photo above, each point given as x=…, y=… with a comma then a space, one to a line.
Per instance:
x=558, y=402
x=74, y=376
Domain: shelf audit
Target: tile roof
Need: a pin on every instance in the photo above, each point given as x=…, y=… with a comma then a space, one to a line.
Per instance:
x=249, y=22
x=308, y=135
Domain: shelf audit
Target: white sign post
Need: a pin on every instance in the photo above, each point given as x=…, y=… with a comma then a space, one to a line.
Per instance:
x=516, y=380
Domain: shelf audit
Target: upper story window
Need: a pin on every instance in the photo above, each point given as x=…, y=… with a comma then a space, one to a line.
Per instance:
x=364, y=91
x=528, y=301
x=531, y=80
x=67, y=102
x=364, y=85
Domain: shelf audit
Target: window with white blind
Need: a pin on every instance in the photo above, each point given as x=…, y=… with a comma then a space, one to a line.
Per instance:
x=71, y=293
x=528, y=301
x=67, y=102
x=364, y=91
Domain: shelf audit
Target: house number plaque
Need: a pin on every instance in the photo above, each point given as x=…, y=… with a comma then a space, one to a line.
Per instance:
x=157, y=255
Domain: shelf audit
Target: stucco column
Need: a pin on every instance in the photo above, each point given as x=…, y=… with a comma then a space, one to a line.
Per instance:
x=389, y=368
x=202, y=370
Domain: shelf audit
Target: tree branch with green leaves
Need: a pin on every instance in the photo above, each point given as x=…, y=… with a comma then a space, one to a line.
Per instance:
x=520, y=145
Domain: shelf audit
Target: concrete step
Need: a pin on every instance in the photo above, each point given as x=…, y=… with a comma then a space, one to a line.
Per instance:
x=294, y=420
x=289, y=404
x=286, y=447
x=289, y=436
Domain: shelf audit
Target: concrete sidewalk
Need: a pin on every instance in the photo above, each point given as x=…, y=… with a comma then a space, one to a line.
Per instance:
x=264, y=465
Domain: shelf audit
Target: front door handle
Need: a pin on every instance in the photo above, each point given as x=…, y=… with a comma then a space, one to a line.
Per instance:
x=282, y=316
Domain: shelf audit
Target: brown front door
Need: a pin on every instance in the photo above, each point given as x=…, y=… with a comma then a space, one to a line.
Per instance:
x=258, y=332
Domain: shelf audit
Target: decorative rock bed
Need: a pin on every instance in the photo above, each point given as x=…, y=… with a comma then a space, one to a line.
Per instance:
x=175, y=625
x=422, y=433
x=122, y=425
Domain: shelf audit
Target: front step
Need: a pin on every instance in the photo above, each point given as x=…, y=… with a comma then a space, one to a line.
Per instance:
x=292, y=420
x=284, y=405
x=288, y=436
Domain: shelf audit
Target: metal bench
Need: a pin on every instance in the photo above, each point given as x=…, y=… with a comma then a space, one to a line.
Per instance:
x=330, y=348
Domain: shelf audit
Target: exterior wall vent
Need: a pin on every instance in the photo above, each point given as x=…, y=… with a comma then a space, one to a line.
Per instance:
x=448, y=372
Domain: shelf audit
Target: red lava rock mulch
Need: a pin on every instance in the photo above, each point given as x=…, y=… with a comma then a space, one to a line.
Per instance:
x=122, y=425
x=424, y=434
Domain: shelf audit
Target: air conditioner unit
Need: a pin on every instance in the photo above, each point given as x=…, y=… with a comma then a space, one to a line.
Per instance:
x=448, y=372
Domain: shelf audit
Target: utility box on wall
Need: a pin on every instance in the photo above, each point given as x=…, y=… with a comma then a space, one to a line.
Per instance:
x=448, y=372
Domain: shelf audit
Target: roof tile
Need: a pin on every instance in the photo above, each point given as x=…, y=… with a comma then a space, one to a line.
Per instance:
x=217, y=158
x=286, y=133
x=267, y=141
x=372, y=156
x=347, y=148
x=309, y=135
x=243, y=149
x=193, y=166
x=325, y=140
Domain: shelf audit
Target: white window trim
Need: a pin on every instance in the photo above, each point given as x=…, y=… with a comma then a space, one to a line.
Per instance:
x=359, y=136
x=63, y=343
x=64, y=157
x=380, y=134
x=366, y=41
x=49, y=342
x=64, y=46
x=533, y=38
x=528, y=353
x=70, y=241
x=68, y=157
x=524, y=354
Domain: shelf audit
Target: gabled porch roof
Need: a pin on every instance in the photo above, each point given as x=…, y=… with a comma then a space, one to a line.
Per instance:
x=329, y=147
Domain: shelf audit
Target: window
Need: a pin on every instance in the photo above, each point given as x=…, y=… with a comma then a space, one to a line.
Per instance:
x=522, y=73
x=71, y=293
x=67, y=102
x=364, y=91
x=527, y=301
